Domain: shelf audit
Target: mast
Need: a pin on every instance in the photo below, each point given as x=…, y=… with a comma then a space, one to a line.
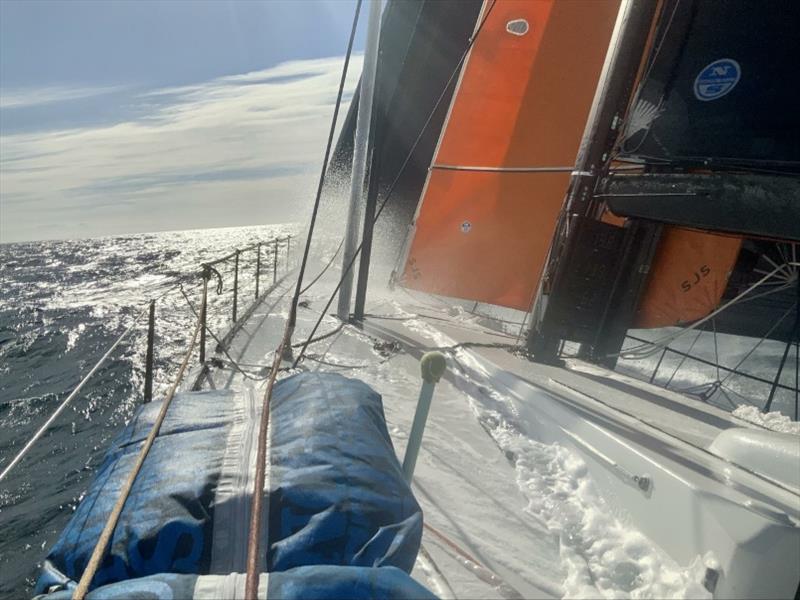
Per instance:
x=360, y=157
x=615, y=90
x=616, y=85
x=369, y=228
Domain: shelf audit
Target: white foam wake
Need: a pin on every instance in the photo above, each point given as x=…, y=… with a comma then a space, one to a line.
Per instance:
x=776, y=421
x=603, y=557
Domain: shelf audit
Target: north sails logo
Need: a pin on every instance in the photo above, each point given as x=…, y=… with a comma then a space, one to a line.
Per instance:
x=717, y=79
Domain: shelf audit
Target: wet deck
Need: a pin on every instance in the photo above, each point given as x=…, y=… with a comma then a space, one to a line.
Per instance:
x=492, y=475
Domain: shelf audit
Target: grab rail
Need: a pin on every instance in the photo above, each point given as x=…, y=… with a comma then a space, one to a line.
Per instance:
x=235, y=255
x=713, y=385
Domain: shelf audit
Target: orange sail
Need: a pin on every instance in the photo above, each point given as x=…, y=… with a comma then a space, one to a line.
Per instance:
x=503, y=164
x=687, y=278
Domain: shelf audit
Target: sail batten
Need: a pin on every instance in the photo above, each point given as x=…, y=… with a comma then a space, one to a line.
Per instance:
x=505, y=169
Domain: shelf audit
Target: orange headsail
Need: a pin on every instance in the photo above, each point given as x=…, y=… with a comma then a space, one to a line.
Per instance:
x=502, y=168
x=688, y=276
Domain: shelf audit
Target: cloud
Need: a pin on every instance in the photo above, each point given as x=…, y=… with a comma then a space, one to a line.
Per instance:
x=27, y=97
x=240, y=149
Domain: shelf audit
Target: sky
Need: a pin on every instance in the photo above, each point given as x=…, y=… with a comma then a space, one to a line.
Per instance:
x=150, y=115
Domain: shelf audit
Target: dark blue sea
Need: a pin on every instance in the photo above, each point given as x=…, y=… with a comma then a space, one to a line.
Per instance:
x=62, y=304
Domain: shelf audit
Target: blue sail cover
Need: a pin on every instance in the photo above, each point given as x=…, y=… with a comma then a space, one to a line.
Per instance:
x=301, y=583
x=335, y=494
x=166, y=525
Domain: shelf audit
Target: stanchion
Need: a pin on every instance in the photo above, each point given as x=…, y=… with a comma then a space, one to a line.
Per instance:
x=258, y=266
x=275, y=262
x=148, y=361
x=206, y=277
x=432, y=365
x=235, y=284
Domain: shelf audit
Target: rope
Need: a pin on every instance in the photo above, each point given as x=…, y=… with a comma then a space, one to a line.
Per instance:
x=470, y=345
x=716, y=347
x=320, y=337
x=442, y=587
x=213, y=271
x=478, y=569
x=451, y=543
x=113, y=518
x=349, y=266
x=40, y=432
x=220, y=345
x=254, y=537
x=325, y=268
x=328, y=349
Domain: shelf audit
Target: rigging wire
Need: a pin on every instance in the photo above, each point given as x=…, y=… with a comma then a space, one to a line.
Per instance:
x=338, y=365
x=649, y=348
x=796, y=335
x=388, y=196
x=328, y=349
x=254, y=534
x=434, y=574
x=323, y=172
x=40, y=432
x=716, y=347
x=683, y=358
x=775, y=325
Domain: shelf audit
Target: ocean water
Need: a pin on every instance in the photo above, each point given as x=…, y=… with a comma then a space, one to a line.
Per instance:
x=62, y=304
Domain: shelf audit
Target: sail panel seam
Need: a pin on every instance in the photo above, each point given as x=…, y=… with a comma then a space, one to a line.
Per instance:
x=503, y=169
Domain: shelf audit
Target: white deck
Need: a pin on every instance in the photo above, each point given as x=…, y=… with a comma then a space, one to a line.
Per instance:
x=530, y=468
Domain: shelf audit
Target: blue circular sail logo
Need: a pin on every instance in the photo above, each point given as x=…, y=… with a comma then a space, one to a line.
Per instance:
x=717, y=79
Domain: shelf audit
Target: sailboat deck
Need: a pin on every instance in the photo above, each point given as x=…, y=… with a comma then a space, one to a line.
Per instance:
x=491, y=489
x=465, y=484
x=690, y=420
